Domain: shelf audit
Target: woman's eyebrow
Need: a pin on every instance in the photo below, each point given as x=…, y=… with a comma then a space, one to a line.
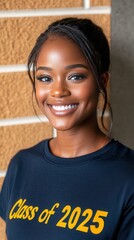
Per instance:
x=44, y=68
x=78, y=65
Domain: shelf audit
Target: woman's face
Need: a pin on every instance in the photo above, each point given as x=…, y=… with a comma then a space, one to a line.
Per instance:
x=65, y=87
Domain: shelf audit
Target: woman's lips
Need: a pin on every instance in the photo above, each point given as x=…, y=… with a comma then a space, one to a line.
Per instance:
x=63, y=109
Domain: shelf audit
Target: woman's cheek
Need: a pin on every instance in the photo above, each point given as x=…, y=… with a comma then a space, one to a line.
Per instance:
x=41, y=94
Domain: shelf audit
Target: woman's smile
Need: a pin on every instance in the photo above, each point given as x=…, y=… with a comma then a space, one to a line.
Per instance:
x=63, y=109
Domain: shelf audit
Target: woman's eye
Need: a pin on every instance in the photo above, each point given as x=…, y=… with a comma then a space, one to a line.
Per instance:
x=76, y=77
x=46, y=79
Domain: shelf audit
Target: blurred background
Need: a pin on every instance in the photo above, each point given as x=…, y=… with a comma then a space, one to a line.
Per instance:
x=20, y=23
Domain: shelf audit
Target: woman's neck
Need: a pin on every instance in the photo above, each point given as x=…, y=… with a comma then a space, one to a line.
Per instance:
x=74, y=143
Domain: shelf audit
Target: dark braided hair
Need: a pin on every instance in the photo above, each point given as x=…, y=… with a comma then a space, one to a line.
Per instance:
x=91, y=40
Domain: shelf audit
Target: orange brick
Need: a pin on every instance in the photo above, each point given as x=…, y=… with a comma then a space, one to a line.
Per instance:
x=33, y=4
x=1, y=181
x=2, y=229
x=100, y=2
x=18, y=35
x=15, y=95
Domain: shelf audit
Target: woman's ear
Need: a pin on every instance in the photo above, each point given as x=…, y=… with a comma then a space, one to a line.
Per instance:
x=104, y=79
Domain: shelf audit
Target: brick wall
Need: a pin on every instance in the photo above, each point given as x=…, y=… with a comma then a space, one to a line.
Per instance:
x=20, y=23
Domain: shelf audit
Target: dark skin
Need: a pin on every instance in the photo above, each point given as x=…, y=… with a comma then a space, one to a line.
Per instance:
x=67, y=93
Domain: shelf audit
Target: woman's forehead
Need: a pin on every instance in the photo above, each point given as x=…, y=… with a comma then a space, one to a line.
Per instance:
x=58, y=48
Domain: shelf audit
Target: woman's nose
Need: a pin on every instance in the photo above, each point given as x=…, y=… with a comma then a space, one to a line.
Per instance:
x=59, y=90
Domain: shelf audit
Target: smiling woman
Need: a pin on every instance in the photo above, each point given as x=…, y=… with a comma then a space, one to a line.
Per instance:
x=62, y=187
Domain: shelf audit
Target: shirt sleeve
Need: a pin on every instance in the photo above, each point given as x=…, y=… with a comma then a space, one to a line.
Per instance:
x=126, y=229
x=6, y=188
x=4, y=198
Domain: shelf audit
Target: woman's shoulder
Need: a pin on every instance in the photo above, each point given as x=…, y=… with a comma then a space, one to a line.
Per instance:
x=123, y=150
x=38, y=147
x=28, y=154
x=122, y=158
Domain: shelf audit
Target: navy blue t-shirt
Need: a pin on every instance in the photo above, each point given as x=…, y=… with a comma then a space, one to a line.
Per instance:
x=90, y=197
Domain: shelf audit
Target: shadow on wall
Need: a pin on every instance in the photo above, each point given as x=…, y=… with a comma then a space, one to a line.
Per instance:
x=122, y=83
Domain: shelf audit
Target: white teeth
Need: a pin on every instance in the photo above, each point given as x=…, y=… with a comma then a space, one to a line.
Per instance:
x=62, y=108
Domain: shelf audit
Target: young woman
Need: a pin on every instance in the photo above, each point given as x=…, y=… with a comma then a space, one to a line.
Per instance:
x=79, y=185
